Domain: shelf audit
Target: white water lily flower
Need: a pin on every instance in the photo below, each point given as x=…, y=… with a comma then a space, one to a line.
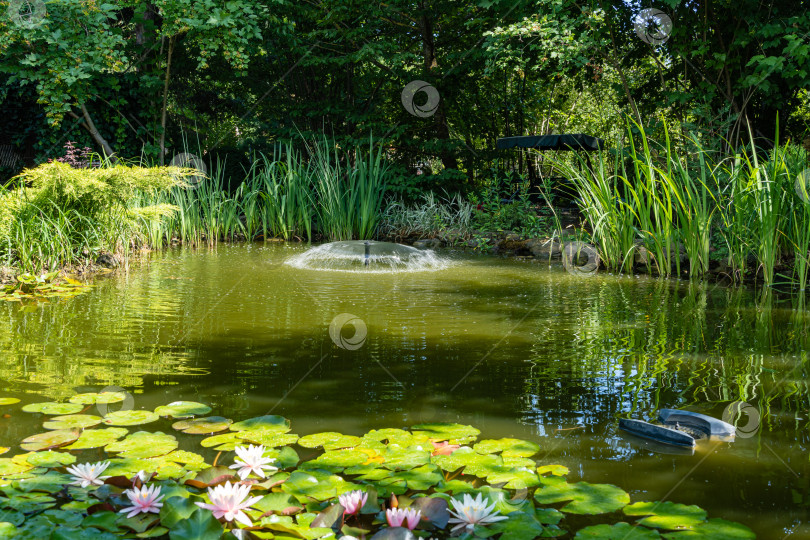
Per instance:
x=229, y=501
x=143, y=500
x=85, y=474
x=471, y=512
x=251, y=460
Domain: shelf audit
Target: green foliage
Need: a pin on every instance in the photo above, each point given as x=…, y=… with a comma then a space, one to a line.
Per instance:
x=302, y=500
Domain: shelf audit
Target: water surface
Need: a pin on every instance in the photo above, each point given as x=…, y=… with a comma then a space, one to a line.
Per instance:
x=515, y=348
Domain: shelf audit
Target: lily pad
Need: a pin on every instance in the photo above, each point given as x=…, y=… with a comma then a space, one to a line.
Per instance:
x=270, y=422
x=309, y=486
x=9, y=466
x=183, y=409
x=508, y=447
x=330, y=440
x=585, y=498
x=92, y=398
x=49, y=458
x=666, y=515
x=397, y=458
x=50, y=439
x=714, y=529
x=268, y=438
x=454, y=433
x=336, y=460
x=96, y=438
x=622, y=530
x=8, y=400
x=202, y=426
x=555, y=470
x=72, y=421
x=51, y=407
x=224, y=442
x=130, y=418
x=143, y=444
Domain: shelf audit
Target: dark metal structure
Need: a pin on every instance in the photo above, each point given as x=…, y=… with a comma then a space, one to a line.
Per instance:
x=566, y=141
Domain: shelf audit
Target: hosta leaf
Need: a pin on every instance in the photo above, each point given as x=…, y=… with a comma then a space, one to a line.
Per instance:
x=100, y=397
x=51, y=407
x=622, y=530
x=96, y=438
x=143, y=444
x=666, y=515
x=72, y=421
x=508, y=447
x=130, y=418
x=585, y=498
x=183, y=409
x=203, y=426
x=50, y=439
x=270, y=422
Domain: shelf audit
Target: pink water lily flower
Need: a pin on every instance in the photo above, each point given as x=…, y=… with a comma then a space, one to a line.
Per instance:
x=353, y=501
x=395, y=517
x=85, y=474
x=144, y=499
x=229, y=501
x=251, y=460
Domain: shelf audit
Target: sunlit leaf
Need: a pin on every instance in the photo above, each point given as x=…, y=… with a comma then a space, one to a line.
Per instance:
x=666, y=515
x=130, y=418
x=91, y=398
x=143, y=444
x=183, y=409
x=50, y=407
x=72, y=421
x=50, y=439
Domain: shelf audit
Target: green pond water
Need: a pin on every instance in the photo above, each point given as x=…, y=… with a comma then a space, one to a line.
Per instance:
x=517, y=349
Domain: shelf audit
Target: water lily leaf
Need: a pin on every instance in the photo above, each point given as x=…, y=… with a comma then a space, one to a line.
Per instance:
x=421, y=478
x=285, y=457
x=72, y=421
x=51, y=407
x=666, y=515
x=330, y=440
x=519, y=526
x=183, y=409
x=29, y=502
x=50, y=439
x=454, y=433
x=433, y=509
x=96, y=438
x=316, y=485
x=619, y=530
x=508, y=447
x=328, y=518
x=397, y=458
x=184, y=457
x=203, y=426
x=138, y=523
x=336, y=460
x=200, y=525
x=175, y=510
x=129, y=466
x=8, y=400
x=389, y=436
x=275, y=502
x=143, y=444
x=92, y=398
x=585, y=498
x=130, y=418
x=4, y=449
x=394, y=533
x=104, y=521
x=268, y=438
x=714, y=529
x=548, y=516
x=51, y=482
x=49, y=458
x=514, y=478
x=225, y=442
x=473, y=462
x=270, y=422
x=9, y=466
x=456, y=487
x=555, y=470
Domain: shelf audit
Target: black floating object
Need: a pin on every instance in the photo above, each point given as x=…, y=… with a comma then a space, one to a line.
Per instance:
x=367, y=253
x=661, y=434
x=712, y=427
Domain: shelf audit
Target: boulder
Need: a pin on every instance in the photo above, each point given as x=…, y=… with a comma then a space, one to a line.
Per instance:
x=107, y=261
x=545, y=248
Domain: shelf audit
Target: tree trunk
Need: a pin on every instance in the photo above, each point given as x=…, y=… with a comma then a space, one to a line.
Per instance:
x=91, y=127
x=165, y=101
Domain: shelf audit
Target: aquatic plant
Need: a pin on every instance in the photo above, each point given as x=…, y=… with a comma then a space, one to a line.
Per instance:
x=372, y=486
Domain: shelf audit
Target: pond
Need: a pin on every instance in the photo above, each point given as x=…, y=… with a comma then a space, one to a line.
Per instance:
x=517, y=349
